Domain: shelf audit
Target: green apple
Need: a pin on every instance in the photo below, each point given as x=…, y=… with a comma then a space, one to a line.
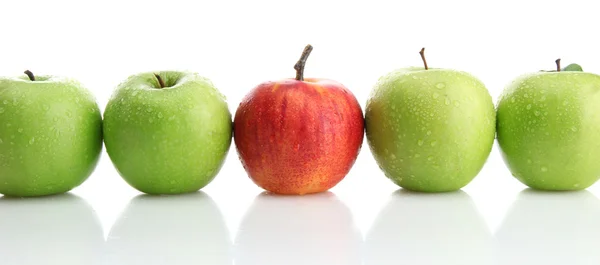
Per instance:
x=50, y=135
x=430, y=130
x=167, y=132
x=549, y=128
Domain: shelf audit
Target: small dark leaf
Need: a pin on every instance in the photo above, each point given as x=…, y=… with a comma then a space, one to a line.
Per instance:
x=573, y=67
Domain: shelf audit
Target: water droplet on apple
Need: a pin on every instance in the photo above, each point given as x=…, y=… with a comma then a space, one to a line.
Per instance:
x=440, y=85
x=5, y=102
x=172, y=181
x=447, y=101
x=529, y=161
x=512, y=100
x=537, y=113
x=32, y=140
x=576, y=185
x=420, y=142
x=134, y=93
x=417, y=155
x=414, y=76
x=160, y=115
x=434, y=143
x=393, y=157
x=429, y=158
x=456, y=103
x=150, y=120
x=1, y=141
x=20, y=130
x=1, y=110
x=428, y=132
x=543, y=98
x=435, y=95
x=544, y=169
x=528, y=106
x=565, y=103
x=574, y=128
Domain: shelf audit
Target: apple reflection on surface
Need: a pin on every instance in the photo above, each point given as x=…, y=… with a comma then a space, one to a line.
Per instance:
x=61, y=229
x=173, y=230
x=315, y=229
x=419, y=228
x=551, y=228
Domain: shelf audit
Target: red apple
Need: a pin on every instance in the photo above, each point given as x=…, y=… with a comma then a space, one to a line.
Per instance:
x=298, y=136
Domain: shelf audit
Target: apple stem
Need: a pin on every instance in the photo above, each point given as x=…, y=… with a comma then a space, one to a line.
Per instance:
x=161, y=83
x=422, y=53
x=30, y=75
x=302, y=62
x=558, y=65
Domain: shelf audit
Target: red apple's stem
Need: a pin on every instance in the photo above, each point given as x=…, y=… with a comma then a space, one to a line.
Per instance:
x=30, y=75
x=302, y=62
x=558, y=65
x=422, y=53
x=160, y=81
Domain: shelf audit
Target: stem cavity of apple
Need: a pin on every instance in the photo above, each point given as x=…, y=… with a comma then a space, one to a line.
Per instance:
x=299, y=66
x=422, y=53
x=161, y=83
x=557, y=64
x=30, y=75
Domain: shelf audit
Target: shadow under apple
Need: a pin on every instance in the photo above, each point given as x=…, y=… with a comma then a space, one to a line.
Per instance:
x=174, y=230
x=60, y=229
x=310, y=229
x=429, y=228
x=550, y=228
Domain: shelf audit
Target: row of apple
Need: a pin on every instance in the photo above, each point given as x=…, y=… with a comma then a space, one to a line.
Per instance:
x=429, y=130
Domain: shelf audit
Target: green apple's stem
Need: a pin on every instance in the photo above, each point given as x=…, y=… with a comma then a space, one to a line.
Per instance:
x=422, y=53
x=558, y=65
x=161, y=83
x=30, y=75
x=302, y=62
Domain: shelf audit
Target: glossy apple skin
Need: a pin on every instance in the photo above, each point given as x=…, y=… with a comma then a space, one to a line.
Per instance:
x=50, y=135
x=549, y=129
x=430, y=130
x=168, y=140
x=298, y=137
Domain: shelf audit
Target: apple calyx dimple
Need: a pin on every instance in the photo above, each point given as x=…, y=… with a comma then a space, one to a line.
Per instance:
x=30, y=75
x=161, y=83
x=299, y=66
x=422, y=53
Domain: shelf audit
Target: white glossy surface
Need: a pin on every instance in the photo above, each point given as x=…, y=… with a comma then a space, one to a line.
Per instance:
x=238, y=44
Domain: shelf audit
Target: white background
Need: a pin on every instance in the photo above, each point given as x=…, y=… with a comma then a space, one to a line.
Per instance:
x=239, y=44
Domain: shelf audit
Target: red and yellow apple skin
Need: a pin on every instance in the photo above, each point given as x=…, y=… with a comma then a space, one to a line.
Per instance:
x=298, y=137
